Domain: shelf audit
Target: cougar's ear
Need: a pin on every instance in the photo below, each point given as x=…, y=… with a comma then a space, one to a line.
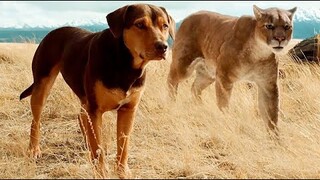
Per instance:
x=172, y=24
x=292, y=11
x=116, y=21
x=258, y=12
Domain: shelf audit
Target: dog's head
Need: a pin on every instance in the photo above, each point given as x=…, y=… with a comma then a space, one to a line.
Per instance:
x=145, y=29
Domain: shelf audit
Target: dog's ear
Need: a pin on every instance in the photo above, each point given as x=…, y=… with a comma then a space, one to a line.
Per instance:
x=172, y=29
x=172, y=24
x=116, y=21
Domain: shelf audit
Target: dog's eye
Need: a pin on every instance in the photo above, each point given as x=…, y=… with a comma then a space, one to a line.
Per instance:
x=287, y=27
x=165, y=26
x=269, y=26
x=140, y=25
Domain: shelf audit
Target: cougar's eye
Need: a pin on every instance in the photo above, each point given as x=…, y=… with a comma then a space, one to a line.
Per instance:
x=139, y=25
x=165, y=26
x=287, y=27
x=269, y=26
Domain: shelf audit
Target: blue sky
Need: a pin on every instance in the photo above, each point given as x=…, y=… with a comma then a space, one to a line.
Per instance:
x=55, y=13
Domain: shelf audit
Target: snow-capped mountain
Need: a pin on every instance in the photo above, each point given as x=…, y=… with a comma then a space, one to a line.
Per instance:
x=306, y=24
x=311, y=14
x=76, y=23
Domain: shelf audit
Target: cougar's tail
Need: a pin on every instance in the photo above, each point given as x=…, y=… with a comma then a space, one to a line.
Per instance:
x=26, y=92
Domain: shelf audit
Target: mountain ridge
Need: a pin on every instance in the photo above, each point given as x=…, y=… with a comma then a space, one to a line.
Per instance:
x=302, y=14
x=306, y=24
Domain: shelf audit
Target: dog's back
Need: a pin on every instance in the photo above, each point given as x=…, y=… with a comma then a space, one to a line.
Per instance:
x=57, y=47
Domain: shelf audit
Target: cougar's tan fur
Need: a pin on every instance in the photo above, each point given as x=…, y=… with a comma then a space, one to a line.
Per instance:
x=225, y=49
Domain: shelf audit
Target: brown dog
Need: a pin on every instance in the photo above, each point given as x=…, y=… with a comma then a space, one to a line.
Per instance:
x=106, y=70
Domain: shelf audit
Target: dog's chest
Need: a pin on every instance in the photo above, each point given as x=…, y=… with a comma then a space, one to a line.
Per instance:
x=110, y=99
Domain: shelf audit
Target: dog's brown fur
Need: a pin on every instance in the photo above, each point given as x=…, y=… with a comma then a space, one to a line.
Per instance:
x=226, y=49
x=106, y=70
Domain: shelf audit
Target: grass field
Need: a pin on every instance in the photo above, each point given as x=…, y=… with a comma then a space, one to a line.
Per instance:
x=170, y=140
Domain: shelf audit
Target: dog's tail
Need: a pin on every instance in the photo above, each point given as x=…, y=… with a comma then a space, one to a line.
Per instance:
x=26, y=92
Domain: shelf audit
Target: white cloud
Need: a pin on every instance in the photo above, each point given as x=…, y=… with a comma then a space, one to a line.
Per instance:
x=18, y=14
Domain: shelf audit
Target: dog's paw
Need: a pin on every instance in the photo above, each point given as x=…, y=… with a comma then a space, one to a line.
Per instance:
x=34, y=152
x=100, y=173
x=124, y=172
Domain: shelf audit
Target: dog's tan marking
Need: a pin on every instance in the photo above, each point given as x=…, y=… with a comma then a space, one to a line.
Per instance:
x=112, y=99
x=88, y=61
x=40, y=93
x=141, y=45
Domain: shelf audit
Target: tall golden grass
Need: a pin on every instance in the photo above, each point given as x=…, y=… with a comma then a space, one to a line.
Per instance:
x=170, y=140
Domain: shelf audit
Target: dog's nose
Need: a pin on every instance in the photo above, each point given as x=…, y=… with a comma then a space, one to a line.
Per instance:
x=279, y=38
x=161, y=47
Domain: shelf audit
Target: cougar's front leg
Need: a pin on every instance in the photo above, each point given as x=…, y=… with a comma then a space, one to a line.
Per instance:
x=223, y=91
x=268, y=97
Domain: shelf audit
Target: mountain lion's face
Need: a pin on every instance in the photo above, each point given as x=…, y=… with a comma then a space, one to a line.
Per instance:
x=274, y=26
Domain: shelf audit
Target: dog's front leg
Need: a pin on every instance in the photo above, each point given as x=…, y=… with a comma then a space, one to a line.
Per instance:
x=124, y=127
x=93, y=133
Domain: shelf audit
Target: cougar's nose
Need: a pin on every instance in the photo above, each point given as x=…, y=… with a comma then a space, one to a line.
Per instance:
x=279, y=38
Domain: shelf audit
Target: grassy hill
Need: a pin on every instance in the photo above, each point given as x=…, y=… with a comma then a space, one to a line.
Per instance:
x=170, y=140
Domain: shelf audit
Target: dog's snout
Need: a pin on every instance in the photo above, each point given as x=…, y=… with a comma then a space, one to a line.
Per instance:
x=161, y=47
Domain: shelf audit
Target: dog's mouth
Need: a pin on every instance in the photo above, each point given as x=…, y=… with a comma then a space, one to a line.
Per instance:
x=153, y=56
x=163, y=56
x=141, y=56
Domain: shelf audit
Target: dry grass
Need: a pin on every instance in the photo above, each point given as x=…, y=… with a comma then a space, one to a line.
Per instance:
x=170, y=140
